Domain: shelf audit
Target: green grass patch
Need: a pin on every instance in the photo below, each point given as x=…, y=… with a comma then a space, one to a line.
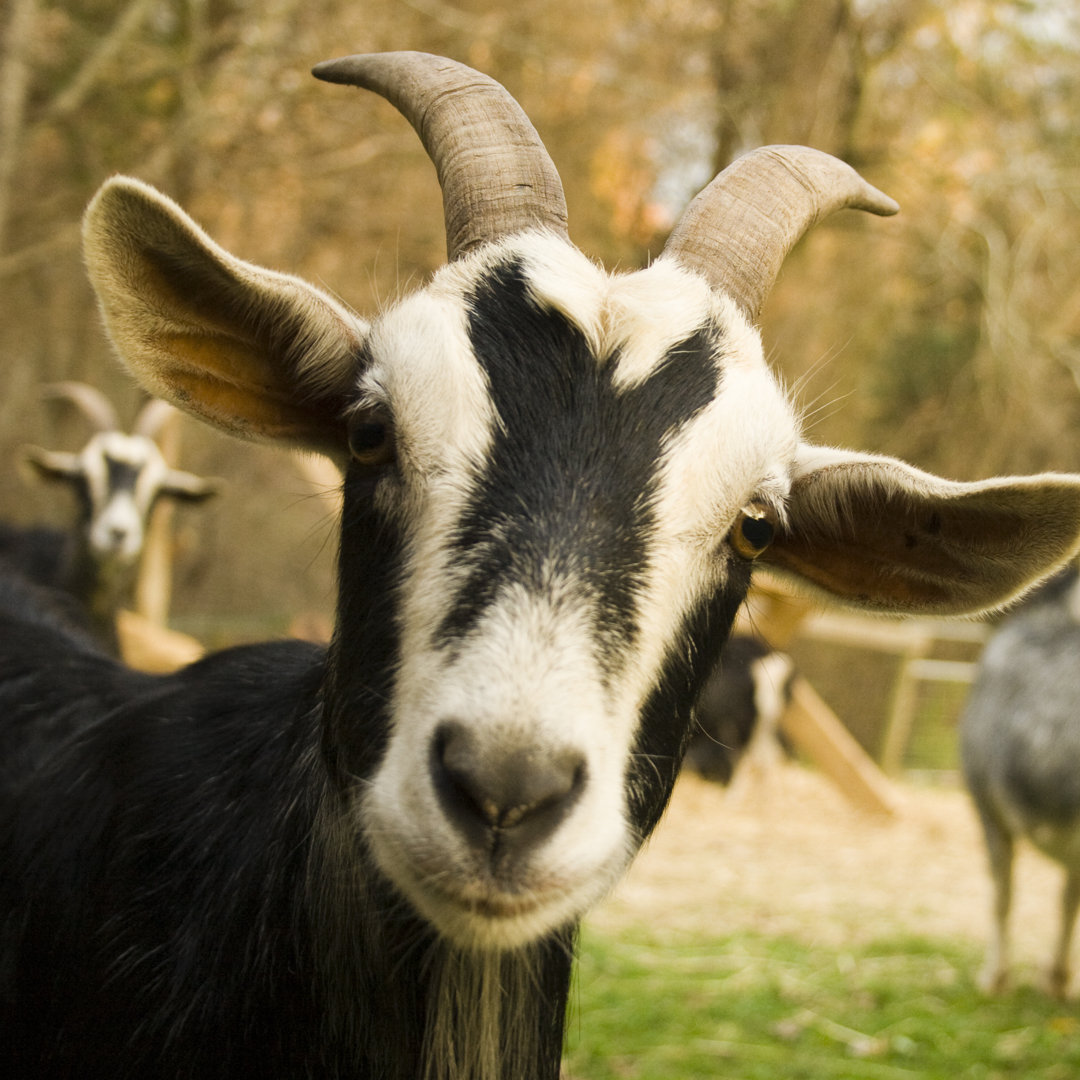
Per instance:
x=757, y=1008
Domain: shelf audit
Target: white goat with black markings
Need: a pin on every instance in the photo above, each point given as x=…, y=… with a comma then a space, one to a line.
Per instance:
x=118, y=478
x=371, y=861
x=736, y=729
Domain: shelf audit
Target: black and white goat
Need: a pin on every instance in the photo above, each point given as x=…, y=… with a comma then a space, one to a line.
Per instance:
x=118, y=479
x=737, y=715
x=1020, y=750
x=370, y=861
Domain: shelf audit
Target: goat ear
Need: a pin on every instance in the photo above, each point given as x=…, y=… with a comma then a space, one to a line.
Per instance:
x=52, y=464
x=260, y=354
x=880, y=535
x=187, y=487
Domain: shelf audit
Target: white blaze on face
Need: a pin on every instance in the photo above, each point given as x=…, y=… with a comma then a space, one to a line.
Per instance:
x=530, y=672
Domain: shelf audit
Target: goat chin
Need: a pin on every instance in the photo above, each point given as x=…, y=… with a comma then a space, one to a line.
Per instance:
x=474, y=910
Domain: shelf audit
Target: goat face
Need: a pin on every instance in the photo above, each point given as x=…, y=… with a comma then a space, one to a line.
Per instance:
x=571, y=452
x=122, y=477
x=556, y=481
x=118, y=479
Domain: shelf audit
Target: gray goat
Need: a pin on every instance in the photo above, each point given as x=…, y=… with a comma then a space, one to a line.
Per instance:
x=1020, y=748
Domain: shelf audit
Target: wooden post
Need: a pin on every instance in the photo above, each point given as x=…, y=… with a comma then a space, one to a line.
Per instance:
x=149, y=647
x=901, y=716
x=153, y=590
x=815, y=729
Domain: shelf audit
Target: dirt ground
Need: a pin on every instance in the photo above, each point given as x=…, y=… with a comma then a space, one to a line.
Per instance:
x=790, y=855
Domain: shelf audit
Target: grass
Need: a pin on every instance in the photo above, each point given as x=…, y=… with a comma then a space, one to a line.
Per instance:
x=757, y=1008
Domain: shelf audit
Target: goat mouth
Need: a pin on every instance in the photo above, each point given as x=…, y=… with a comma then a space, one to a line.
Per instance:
x=490, y=909
x=480, y=913
x=491, y=902
x=491, y=921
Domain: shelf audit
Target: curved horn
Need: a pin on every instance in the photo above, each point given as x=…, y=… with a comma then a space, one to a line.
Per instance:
x=151, y=417
x=739, y=229
x=91, y=402
x=496, y=176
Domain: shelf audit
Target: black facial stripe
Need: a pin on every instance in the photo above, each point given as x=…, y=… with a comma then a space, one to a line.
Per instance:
x=120, y=475
x=365, y=649
x=665, y=725
x=569, y=484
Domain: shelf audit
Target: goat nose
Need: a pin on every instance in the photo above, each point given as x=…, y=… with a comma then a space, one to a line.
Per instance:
x=515, y=796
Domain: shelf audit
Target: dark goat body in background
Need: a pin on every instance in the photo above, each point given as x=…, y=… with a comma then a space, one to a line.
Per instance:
x=42, y=555
x=55, y=681
x=371, y=861
x=117, y=479
x=1020, y=749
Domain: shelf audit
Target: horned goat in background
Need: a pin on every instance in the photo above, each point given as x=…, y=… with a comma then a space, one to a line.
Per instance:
x=1020, y=750
x=370, y=861
x=118, y=479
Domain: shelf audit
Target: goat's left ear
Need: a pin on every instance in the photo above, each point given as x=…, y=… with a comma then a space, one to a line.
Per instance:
x=880, y=535
x=187, y=487
x=52, y=464
x=259, y=354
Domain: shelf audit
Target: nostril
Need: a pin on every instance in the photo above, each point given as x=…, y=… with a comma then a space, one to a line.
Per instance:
x=457, y=774
x=518, y=791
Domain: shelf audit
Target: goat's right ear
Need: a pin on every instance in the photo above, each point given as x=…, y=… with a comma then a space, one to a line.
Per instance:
x=189, y=488
x=259, y=354
x=877, y=534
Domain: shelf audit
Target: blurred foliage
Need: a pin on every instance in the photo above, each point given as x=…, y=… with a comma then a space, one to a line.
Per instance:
x=948, y=335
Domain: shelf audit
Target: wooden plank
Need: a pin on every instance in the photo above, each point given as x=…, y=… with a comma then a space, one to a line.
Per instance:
x=915, y=669
x=959, y=671
x=815, y=730
x=885, y=635
x=149, y=647
x=153, y=587
x=901, y=718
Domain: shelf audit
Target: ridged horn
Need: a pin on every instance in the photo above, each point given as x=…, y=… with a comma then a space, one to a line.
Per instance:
x=496, y=177
x=91, y=402
x=739, y=229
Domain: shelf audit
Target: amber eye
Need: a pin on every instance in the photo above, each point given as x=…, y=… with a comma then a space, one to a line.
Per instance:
x=754, y=530
x=371, y=437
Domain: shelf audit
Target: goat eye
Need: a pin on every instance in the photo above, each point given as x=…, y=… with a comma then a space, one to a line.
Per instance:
x=754, y=530
x=371, y=437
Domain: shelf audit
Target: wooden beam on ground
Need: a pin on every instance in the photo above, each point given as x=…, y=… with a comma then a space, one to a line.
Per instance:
x=149, y=647
x=817, y=731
